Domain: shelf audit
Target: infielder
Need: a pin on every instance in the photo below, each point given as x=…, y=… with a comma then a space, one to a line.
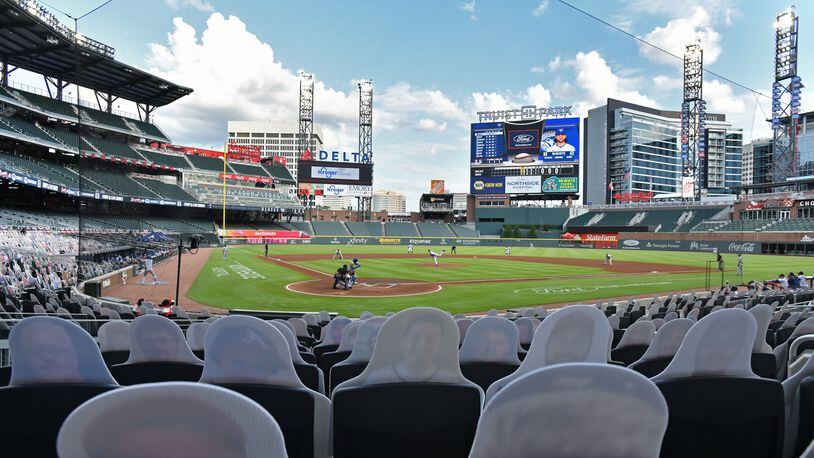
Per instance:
x=338, y=253
x=740, y=265
x=435, y=256
x=410, y=249
x=608, y=260
x=508, y=251
x=454, y=249
x=148, y=268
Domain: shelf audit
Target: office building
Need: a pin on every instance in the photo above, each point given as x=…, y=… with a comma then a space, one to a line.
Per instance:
x=275, y=138
x=389, y=201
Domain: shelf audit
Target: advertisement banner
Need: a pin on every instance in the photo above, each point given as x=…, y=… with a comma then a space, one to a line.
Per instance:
x=347, y=190
x=691, y=245
x=437, y=186
x=488, y=185
x=253, y=179
x=241, y=233
x=342, y=156
x=687, y=187
x=334, y=173
x=243, y=152
x=561, y=184
x=524, y=185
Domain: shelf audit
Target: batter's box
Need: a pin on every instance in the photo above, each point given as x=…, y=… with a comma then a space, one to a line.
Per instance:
x=378, y=285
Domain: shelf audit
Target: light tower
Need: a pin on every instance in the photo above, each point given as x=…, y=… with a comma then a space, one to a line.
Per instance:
x=366, y=136
x=305, y=119
x=785, y=98
x=693, y=124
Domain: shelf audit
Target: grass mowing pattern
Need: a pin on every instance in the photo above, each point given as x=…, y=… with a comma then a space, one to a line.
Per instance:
x=573, y=284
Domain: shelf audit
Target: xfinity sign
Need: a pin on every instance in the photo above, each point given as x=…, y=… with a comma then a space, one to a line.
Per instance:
x=337, y=156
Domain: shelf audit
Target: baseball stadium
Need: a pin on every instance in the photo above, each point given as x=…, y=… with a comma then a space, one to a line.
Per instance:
x=619, y=280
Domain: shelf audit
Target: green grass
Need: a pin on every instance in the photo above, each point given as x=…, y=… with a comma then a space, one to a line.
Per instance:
x=571, y=283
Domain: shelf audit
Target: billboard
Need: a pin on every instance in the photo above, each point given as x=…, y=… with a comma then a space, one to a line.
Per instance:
x=437, y=186
x=539, y=142
x=488, y=185
x=524, y=185
x=561, y=184
x=349, y=173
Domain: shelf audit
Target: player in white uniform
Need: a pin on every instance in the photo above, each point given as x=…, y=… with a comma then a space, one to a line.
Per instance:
x=608, y=260
x=410, y=249
x=338, y=253
x=435, y=256
x=148, y=268
x=225, y=252
x=508, y=251
x=740, y=265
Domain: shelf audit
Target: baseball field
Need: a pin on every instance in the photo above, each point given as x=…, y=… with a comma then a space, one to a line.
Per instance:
x=300, y=277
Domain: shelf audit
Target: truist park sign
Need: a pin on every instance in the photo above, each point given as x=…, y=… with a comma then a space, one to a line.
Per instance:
x=524, y=112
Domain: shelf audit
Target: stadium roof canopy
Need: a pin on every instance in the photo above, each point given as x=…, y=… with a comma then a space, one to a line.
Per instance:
x=31, y=38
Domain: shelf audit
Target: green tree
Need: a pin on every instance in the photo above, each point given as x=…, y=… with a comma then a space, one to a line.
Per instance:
x=532, y=233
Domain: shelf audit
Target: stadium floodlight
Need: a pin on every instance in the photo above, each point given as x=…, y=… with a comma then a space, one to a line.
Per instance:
x=785, y=97
x=785, y=19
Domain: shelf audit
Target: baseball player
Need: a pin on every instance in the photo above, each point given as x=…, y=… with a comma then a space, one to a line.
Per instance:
x=740, y=265
x=561, y=142
x=341, y=278
x=715, y=252
x=454, y=249
x=508, y=251
x=410, y=249
x=337, y=253
x=435, y=256
x=608, y=260
x=352, y=270
x=225, y=252
x=148, y=269
x=267, y=250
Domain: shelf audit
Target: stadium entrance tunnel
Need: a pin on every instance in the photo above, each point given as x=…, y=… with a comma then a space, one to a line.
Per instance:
x=372, y=287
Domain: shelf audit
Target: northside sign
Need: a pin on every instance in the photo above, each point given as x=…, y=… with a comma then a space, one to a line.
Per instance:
x=342, y=156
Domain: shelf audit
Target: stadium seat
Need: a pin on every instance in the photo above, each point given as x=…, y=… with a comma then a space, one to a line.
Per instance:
x=525, y=332
x=489, y=351
x=411, y=399
x=328, y=360
x=252, y=357
x=360, y=355
x=664, y=346
x=158, y=353
x=308, y=372
x=171, y=419
x=463, y=325
x=634, y=342
x=196, y=333
x=705, y=386
x=565, y=411
x=331, y=336
x=114, y=342
x=56, y=367
x=578, y=333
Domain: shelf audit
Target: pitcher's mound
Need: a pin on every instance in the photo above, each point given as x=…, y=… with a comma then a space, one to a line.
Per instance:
x=371, y=287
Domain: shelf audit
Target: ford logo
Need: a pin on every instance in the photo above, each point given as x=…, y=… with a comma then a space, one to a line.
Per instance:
x=523, y=138
x=630, y=243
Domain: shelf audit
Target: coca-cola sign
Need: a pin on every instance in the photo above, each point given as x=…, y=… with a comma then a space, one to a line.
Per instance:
x=743, y=247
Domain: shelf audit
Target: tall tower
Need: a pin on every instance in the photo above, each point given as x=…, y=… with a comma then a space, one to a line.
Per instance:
x=306, y=115
x=785, y=98
x=693, y=127
x=366, y=135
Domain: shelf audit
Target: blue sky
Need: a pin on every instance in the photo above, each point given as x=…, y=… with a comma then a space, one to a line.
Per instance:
x=434, y=63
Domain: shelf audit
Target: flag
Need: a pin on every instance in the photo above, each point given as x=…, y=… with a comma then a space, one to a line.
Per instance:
x=628, y=175
x=306, y=155
x=610, y=186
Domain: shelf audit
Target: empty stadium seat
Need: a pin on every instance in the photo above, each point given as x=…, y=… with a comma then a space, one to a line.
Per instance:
x=705, y=386
x=171, y=419
x=56, y=367
x=250, y=356
x=634, y=342
x=114, y=342
x=356, y=362
x=489, y=351
x=578, y=333
x=411, y=399
x=158, y=353
x=566, y=410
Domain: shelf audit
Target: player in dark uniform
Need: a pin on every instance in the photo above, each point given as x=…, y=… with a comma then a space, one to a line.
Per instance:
x=341, y=277
x=453, y=249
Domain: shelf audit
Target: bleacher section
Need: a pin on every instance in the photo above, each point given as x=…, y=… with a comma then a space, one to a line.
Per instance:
x=21, y=126
x=365, y=229
x=745, y=225
x=118, y=183
x=463, y=231
x=401, y=230
x=434, y=230
x=49, y=172
x=206, y=163
x=656, y=219
x=304, y=226
x=166, y=190
x=329, y=228
x=44, y=103
x=792, y=225
x=113, y=148
x=246, y=169
x=242, y=195
x=279, y=172
x=170, y=160
x=65, y=136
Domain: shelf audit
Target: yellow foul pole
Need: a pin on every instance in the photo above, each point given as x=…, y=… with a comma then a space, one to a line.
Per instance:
x=223, y=225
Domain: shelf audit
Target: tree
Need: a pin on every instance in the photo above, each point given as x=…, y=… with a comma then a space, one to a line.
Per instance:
x=507, y=232
x=532, y=233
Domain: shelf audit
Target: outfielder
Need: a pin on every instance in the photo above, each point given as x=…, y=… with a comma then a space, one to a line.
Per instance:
x=338, y=253
x=410, y=249
x=225, y=252
x=435, y=256
x=740, y=265
x=608, y=260
x=508, y=251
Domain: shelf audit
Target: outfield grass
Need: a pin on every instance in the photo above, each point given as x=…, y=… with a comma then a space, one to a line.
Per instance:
x=220, y=283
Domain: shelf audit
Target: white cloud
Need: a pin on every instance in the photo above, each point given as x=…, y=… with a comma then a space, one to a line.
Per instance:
x=486, y=101
x=538, y=95
x=595, y=81
x=401, y=102
x=555, y=63
x=666, y=83
x=677, y=33
x=430, y=125
x=541, y=7
x=537, y=69
x=724, y=9
x=468, y=6
x=200, y=5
